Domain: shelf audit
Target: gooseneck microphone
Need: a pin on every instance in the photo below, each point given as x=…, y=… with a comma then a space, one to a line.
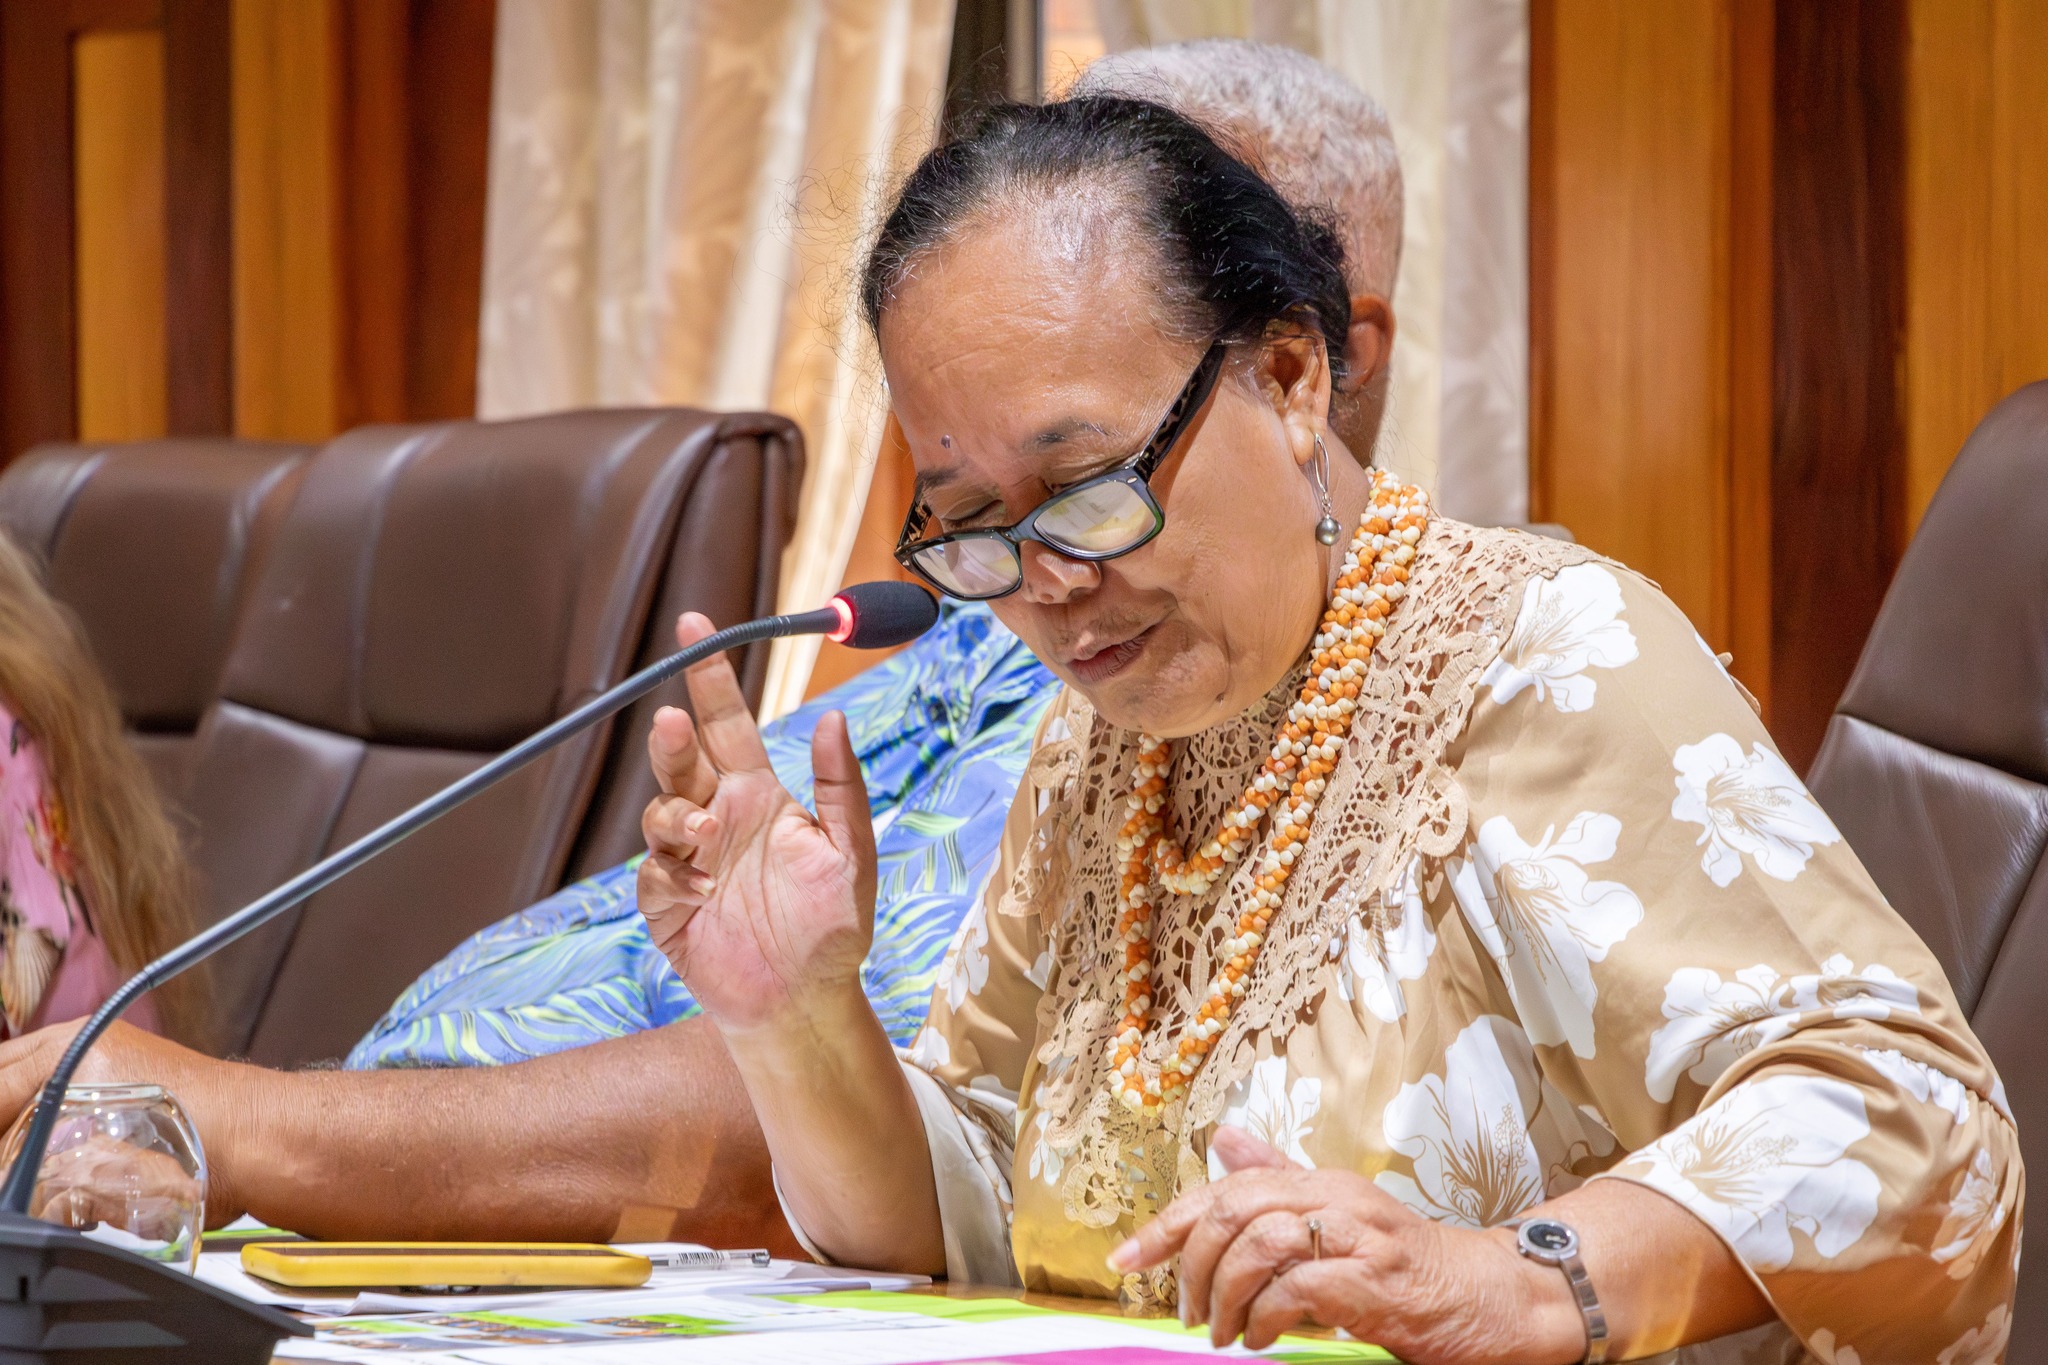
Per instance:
x=866, y=616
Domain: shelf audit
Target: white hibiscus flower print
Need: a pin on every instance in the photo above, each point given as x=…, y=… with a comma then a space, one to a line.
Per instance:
x=965, y=970
x=1041, y=970
x=1922, y=1082
x=1047, y=1161
x=1487, y=1138
x=1376, y=964
x=1272, y=1110
x=1712, y=1022
x=1825, y=1346
x=1974, y=1217
x=1748, y=805
x=929, y=1050
x=1545, y=921
x=1766, y=1160
x=1980, y=1345
x=1568, y=624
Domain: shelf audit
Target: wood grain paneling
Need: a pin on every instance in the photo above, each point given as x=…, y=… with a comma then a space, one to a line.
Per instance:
x=119, y=233
x=38, y=304
x=1630, y=267
x=1751, y=343
x=448, y=152
x=199, y=262
x=1716, y=276
x=373, y=169
x=287, y=265
x=38, y=401
x=1977, y=222
x=1838, y=294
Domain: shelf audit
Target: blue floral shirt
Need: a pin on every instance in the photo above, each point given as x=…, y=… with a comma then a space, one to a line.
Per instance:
x=943, y=730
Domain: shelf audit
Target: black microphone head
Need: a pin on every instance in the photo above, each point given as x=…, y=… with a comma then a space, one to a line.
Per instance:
x=881, y=615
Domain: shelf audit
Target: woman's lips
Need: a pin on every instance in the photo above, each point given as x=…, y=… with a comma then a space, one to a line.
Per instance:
x=1106, y=663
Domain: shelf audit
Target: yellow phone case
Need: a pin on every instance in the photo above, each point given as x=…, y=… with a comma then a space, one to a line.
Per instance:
x=362, y=1265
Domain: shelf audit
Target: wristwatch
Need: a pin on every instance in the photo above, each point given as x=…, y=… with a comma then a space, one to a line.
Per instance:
x=1554, y=1243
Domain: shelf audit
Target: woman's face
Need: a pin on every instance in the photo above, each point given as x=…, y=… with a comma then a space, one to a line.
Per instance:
x=1026, y=356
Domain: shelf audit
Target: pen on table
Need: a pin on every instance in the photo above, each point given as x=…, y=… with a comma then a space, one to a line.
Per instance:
x=709, y=1260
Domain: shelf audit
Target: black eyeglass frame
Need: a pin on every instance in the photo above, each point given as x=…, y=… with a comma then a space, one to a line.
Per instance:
x=1135, y=473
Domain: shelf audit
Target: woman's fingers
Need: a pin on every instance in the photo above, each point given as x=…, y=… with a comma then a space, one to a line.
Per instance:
x=680, y=765
x=724, y=719
x=678, y=826
x=842, y=797
x=670, y=892
x=1234, y=1201
x=1240, y=1200
x=1240, y=1151
x=1304, y=1293
x=1268, y=1246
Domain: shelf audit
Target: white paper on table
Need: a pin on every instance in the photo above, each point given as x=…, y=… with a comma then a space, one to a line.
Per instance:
x=779, y=1277
x=223, y=1269
x=591, y=1319
x=949, y=1341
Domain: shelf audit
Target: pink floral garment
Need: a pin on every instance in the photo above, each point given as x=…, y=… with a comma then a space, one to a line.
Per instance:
x=53, y=966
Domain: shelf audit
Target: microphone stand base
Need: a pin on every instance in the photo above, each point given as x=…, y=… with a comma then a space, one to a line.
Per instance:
x=66, y=1299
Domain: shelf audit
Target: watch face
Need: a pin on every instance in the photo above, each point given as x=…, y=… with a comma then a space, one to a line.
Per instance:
x=1548, y=1239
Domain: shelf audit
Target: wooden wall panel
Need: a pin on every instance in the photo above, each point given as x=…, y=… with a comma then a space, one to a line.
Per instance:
x=1630, y=257
x=287, y=266
x=1837, y=294
x=449, y=96
x=1716, y=286
x=361, y=144
x=1977, y=222
x=199, y=263
x=119, y=233
x=38, y=401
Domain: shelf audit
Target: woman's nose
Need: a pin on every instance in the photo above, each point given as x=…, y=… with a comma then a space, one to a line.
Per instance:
x=1051, y=578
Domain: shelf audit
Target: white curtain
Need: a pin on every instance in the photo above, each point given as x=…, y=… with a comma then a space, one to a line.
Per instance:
x=1453, y=76
x=678, y=191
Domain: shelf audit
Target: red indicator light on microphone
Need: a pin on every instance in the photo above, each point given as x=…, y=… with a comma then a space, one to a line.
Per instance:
x=843, y=632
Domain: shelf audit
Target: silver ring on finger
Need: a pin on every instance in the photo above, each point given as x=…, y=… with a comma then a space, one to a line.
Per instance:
x=1315, y=1239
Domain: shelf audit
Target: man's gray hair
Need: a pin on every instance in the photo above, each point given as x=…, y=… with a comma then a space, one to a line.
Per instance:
x=1318, y=139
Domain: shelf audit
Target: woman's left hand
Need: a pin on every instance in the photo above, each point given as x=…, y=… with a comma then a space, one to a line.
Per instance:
x=1427, y=1292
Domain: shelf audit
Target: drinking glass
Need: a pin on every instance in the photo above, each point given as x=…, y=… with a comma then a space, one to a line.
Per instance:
x=124, y=1166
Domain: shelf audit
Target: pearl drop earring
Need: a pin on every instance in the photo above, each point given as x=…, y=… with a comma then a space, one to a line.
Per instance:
x=1327, y=530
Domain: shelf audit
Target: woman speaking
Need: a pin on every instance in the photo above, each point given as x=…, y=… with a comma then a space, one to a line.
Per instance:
x=1403, y=926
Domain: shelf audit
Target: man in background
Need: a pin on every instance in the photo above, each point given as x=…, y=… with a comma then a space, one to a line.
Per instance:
x=1325, y=145
x=649, y=1135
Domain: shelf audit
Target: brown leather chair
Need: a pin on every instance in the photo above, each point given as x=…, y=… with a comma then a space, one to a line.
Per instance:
x=152, y=545
x=433, y=595
x=1935, y=766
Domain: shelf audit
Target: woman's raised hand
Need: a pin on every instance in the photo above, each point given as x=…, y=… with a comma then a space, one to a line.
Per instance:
x=761, y=908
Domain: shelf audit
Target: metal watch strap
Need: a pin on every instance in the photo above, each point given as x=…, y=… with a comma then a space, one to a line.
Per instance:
x=1567, y=1259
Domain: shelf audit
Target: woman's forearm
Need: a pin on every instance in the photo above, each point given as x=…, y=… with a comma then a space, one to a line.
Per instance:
x=1663, y=1278
x=843, y=1129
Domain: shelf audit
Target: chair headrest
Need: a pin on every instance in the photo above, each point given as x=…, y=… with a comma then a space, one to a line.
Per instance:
x=1958, y=659
x=450, y=586
x=150, y=544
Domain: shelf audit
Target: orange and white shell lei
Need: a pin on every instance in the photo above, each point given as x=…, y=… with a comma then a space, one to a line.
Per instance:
x=1374, y=578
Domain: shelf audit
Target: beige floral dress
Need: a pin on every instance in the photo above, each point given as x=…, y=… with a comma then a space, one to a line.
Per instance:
x=1564, y=914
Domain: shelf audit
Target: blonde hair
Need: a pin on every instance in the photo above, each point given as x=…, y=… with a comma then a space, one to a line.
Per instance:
x=137, y=882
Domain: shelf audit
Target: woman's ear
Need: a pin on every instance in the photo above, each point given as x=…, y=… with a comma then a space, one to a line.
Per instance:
x=1294, y=376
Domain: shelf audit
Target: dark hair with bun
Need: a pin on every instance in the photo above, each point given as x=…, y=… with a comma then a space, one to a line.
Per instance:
x=1235, y=257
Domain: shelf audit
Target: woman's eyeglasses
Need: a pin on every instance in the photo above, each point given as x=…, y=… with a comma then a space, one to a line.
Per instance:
x=1100, y=518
